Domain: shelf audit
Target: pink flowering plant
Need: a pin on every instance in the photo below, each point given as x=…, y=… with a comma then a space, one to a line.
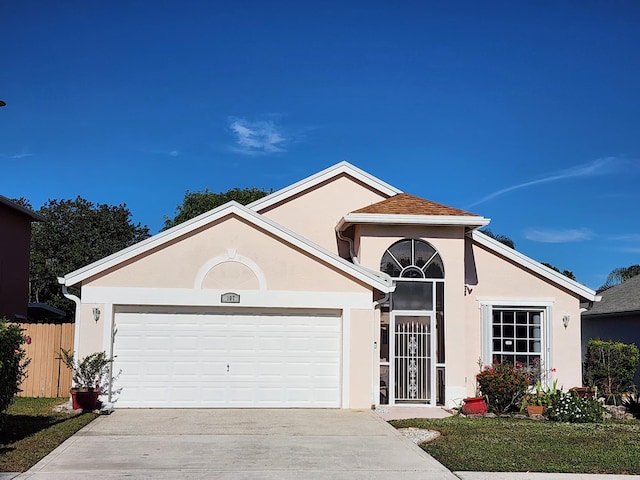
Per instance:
x=504, y=385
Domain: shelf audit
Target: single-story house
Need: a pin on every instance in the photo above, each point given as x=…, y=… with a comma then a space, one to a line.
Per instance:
x=616, y=317
x=338, y=291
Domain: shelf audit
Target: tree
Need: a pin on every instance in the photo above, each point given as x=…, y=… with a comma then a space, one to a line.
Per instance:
x=566, y=273
x=75, y=233
x=197, y=203
x=619, y=275
x=499, y=237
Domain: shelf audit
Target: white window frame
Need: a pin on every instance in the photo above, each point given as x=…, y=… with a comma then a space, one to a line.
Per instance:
x=486, y=312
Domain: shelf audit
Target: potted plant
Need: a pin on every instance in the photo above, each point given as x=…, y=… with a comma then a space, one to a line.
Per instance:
x=537, y=402
x=476, y=405
x=89, y=376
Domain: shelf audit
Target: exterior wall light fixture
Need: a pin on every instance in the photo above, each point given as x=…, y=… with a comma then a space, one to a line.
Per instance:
x=96, y=313
x=565, y=320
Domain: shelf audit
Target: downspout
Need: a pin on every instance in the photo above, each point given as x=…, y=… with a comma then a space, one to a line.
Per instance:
x=77, y=301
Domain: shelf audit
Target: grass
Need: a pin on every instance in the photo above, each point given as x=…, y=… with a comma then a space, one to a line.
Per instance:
x=31, y=429
x=515, y=445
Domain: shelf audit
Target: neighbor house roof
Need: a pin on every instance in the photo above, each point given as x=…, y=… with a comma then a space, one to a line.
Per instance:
x=342, y=168
x=621, y=299
x=533, y=266
x=405, y=209
x=16, y=206
x=378, y=280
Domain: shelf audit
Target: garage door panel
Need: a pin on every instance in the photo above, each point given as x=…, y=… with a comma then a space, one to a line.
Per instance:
x=208, y=360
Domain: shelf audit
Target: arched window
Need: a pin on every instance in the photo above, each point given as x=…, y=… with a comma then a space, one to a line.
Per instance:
x=412, y=258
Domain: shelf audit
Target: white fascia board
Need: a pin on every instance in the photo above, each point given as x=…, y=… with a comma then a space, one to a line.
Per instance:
x=536, y=267
x=231, y=208
x=309, y=182
x=393, y=219
x=172, y=297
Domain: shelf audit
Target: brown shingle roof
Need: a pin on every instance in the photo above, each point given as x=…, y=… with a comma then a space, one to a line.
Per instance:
x=405, y=204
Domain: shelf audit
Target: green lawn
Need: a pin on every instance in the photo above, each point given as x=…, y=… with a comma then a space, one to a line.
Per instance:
x=31, y=430
x=508, y=444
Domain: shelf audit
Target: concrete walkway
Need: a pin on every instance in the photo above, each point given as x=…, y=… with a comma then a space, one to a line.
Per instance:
x=239, y=444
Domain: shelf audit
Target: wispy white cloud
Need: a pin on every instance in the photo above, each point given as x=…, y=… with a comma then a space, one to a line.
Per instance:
x=627, y=237
x=16, y=156
x=261, y=137
x=174, y=153
x=630, y=242
x=600, y=166
x=558, y=236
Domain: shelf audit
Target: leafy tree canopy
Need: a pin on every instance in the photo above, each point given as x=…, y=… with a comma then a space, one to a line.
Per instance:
x=566, y=273
x=197, y=203
x=76, y=233
x=499, y=237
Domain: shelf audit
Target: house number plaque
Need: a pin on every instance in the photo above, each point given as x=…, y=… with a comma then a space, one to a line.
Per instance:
x=230, y=298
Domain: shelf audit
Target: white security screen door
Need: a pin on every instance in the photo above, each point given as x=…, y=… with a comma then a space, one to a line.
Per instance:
x=412, y=359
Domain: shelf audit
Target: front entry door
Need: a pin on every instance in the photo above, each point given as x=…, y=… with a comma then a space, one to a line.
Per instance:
x=412, y=359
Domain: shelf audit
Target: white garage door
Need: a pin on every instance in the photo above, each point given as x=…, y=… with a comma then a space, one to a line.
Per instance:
x=223, y=360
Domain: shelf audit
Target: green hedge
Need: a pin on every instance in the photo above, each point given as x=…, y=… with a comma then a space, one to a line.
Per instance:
x=610, y=366
x=13, y=361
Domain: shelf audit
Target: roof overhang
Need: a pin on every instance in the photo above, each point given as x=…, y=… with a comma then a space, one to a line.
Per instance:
x=472, y=222
x=36, y=217
x=377, y=280
x=536, y=267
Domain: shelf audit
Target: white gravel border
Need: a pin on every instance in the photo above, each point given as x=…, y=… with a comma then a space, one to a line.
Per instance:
x=419, y=435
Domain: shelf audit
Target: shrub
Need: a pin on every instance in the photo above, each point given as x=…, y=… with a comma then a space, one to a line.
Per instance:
x=504, y=385
x=610, y=366
x=13, y=361
x=569, y=407
x=632, y=404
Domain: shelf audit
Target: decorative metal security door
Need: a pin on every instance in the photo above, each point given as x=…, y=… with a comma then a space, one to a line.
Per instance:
x=412, y=359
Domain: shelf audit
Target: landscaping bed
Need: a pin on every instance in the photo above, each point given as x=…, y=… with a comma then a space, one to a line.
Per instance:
x=521, y=445
x=32, y=429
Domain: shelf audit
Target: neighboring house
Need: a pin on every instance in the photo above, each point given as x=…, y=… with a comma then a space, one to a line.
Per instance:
x=337, y=291
x=615, y=317
x=15, y=245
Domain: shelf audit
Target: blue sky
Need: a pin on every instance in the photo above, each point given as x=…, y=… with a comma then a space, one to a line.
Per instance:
x=524, y=112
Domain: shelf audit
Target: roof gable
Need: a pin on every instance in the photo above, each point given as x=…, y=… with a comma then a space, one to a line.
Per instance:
x=530, y=264
x=339, y=169
x=623, y=298
x=378, y=281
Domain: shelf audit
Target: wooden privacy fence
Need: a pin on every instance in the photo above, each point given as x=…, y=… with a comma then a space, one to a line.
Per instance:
x=46, y=375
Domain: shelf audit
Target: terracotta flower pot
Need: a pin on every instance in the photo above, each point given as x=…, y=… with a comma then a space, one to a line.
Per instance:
x=475, y=406
x=87, y=400
x=535, y=410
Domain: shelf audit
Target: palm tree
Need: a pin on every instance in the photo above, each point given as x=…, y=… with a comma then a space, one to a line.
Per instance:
x=620, y=274
x=499, y=237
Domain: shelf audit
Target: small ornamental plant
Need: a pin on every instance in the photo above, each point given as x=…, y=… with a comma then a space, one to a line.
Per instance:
x=89, y=373
x=569, y=407
x=504, y=385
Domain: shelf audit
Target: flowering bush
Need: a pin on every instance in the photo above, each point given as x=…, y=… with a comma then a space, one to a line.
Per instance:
x=13, y=361
x=504, y=385
x=569, y=407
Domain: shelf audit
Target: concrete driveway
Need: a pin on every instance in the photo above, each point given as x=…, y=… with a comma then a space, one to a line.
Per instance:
x=239, y=444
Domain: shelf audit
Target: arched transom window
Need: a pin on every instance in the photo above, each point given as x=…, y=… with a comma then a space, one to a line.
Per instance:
x=412, y=258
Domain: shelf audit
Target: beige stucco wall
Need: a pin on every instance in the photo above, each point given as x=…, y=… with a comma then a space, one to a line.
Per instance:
x=498, y=278
x=177, y=264
x=315, y=213
x=361, y=361
x=488, y=276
